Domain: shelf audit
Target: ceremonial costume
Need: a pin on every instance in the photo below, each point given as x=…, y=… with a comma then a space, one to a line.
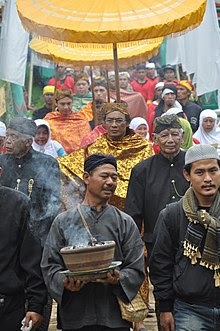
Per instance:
x=95, y=303
x=93, y=135
x=128, y=151
x=68, y=129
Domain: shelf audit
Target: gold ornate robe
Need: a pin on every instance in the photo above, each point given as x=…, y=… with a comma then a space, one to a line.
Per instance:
x=128, y=152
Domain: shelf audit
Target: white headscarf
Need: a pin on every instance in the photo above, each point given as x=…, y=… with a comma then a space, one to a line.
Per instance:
x=51, y=146
x=136, y=122
x=212, y=137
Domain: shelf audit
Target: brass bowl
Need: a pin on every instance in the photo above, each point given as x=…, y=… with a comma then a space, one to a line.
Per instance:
x=88, y=258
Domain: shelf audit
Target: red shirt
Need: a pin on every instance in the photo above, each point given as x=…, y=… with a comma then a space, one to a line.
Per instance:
x=67, y=83
x=147, y=88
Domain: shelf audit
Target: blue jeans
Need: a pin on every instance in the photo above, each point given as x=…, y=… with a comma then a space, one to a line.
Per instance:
x=191, y=317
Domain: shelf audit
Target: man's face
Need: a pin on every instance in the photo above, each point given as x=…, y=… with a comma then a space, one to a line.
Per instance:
x=208, y=124
x=82, y=87
x=100, y=93
x=16, y=143
x=65, y=105
x=169, y=99
x=101, y=183
x=182, y=93
x=115, y=124
x=61, y=71
x=123, y=82
x=169, y=141
x=169, y=75
x=48, y=99
x=205, y=179
x=111, y=83
x=42, y=135
x=141, y=74
x=150, y=72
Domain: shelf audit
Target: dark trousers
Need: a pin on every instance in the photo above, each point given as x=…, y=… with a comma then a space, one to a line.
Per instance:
x=12, y=321
x=12, y=312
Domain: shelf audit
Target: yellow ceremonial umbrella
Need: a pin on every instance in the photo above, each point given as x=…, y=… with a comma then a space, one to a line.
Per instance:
x=109, y=21
x=104, y=21
x=95, y=54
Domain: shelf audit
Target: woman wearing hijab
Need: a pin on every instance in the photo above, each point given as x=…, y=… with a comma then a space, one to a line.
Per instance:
x=139, y=125
x=43, y=143
x=208, y=131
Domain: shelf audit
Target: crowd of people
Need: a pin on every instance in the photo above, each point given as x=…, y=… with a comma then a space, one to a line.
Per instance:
x=144, y=171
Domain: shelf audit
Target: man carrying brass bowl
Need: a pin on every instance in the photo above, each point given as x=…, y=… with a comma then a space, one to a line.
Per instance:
x=93, y=306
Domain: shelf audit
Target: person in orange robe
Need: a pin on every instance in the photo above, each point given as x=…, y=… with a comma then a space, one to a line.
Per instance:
x=67, y=127
x=94, y=109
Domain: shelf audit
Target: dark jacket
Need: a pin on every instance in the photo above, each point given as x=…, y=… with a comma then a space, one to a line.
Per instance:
x=192, y=111
x=38, y=176
x=20, y=253
x=154, y=183
x=40, y=113
x=171, y=273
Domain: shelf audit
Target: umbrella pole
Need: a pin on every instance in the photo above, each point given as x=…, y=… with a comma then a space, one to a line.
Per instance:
x=93, y=97
x=107, y=85
x=115, y=55
x=55, y=88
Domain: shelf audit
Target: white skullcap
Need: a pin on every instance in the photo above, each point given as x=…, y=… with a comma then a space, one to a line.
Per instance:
x=2, y=129
x=200, y=152
x=150, y=65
